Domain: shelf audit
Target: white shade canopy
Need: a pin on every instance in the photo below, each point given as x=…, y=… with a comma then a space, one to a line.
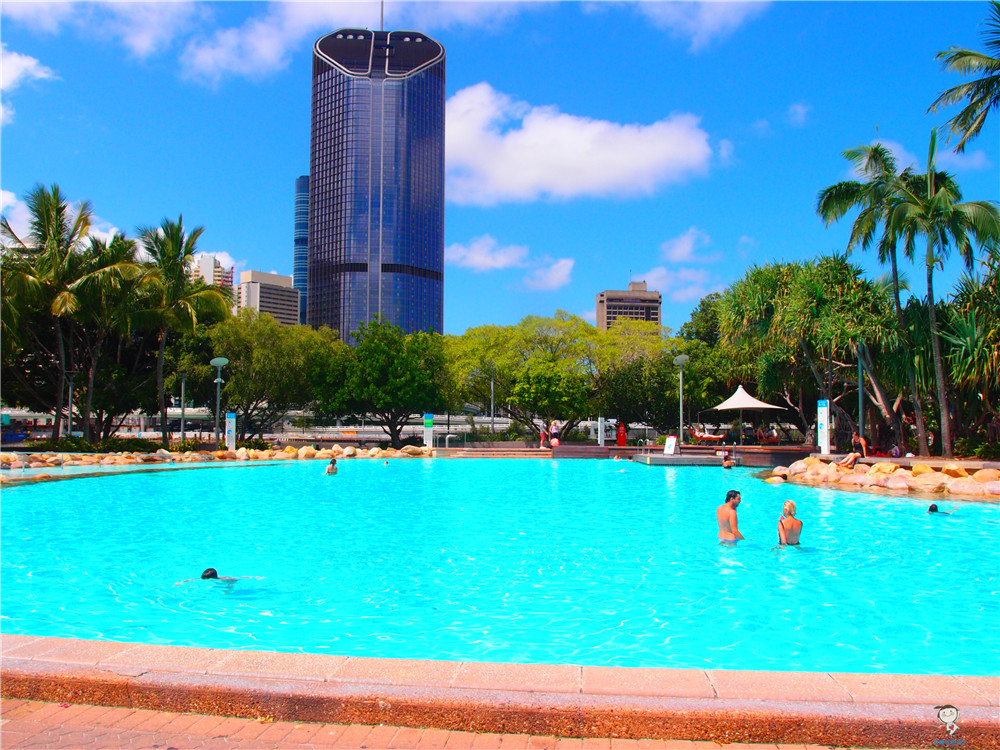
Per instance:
x=743, y=400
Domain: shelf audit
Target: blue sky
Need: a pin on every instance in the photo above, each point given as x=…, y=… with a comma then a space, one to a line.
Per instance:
x=589, y=143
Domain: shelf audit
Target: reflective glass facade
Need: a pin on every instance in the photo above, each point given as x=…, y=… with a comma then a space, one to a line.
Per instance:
x=376, y=189
x=300, y=253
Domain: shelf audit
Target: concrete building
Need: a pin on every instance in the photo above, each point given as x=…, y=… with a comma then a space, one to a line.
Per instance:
x=376, y=181
x=208, y=269
x=269, y=293
x=635, y=303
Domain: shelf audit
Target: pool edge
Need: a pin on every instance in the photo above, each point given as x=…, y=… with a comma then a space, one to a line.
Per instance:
x=568, y=701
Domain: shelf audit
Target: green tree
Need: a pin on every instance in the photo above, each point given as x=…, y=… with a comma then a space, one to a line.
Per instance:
x=269, y=367
x=177, y=301
x=930, y=205
x=875, y=198
x=44, y=271
x=393, y=376
x=980, y=95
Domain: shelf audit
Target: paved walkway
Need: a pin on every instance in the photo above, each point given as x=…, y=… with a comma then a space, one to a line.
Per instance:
x=33, y=724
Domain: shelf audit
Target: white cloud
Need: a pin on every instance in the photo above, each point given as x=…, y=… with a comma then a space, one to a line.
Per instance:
x=40, y=16
x=499, y=149
x=589, y=315
x=15, y=70
x=762, y=127
x=551, y=276
x=968, y=161
x=147, y=28
x=682, y=249
x=726, y=149
x=16, y=213
x=798, y=114
x=700, y=22
x=485, y=254
x=264, y=43
x=679, y=284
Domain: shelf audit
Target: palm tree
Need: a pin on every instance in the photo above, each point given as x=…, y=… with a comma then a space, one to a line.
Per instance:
x=178, y=300
x=875, y=199
x=929, y=205
x=44, y=269
x=110, y=295
x=982, y=94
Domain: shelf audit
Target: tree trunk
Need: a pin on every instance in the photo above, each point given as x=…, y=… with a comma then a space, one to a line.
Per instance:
x=95, y=355
x=918, y=410
x=938, y=362
x=61, y=388
x=160, y=356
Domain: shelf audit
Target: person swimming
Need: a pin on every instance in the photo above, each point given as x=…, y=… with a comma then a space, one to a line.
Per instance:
x=331, y=467
x=934, y=509
x=211, y=574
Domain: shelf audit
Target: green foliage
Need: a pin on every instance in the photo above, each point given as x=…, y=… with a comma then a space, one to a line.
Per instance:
x=271, y=367
x=257, y=444
x=980, y=96
x=186, y=445
x=62, y=445
x=390, y=375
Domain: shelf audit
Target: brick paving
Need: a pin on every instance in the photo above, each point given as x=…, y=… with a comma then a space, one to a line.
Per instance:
x=54, y=726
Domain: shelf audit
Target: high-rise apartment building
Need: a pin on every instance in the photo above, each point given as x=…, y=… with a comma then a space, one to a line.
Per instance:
x=300, y=253
x=269, y=293
x=636, y=303
x=376, y=181
x=208, y=269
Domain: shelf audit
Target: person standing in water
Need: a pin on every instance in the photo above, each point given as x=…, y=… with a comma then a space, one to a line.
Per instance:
x=729, y=531
x=789, y=527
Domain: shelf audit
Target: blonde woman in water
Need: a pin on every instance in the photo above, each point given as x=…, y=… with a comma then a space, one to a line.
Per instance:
x=789, y=527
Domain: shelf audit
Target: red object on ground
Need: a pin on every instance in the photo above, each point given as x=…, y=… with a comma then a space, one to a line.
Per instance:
x=555, y=442
x=621, y=434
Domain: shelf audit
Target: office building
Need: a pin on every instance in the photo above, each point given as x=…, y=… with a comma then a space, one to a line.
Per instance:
x=269, y=293
x=208, y=269
x=376, y=181
x=300, y=253
x=635, y=303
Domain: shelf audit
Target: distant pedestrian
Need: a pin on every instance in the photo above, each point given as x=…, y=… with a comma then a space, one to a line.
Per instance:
x=544, y=436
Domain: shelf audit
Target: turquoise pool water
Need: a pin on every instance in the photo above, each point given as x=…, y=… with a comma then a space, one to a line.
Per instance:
x=582, y=562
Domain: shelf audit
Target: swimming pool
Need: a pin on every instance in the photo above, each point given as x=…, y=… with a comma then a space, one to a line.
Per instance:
x=551, y=561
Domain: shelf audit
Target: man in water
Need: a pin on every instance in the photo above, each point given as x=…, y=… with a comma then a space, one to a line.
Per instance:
x=211, y=574
x=729, y=531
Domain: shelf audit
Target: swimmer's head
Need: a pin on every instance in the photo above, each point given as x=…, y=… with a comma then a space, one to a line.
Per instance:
x=733, y=496
x=210, y=573
x=788, y=509
x=333, y=462
x=933, y=508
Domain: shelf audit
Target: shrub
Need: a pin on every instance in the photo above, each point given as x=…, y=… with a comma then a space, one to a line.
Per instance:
x=187, y=445
x=988, y=450
x=62, y=445
x=130, y=445
x=257, y=444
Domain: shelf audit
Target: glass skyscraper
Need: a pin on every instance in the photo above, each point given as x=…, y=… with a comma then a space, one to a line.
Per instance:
x=300, y=252
x=376, y=188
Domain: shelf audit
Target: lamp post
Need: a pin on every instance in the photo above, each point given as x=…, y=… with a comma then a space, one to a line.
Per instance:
x=183, y=383
x=218, y=363
x=679, y=360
